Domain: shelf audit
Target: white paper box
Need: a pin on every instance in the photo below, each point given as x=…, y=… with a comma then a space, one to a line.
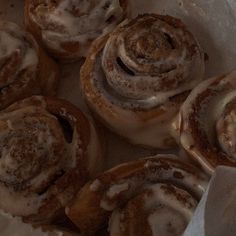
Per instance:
x=213, y=22
x=216, y=213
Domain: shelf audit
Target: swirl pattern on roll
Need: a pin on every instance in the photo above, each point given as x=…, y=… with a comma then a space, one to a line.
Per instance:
x=207, y=122
x=146, y=66
x=24, y=69
x=148, y=61
x=152, y=196
x=45, y=157
x=67, y=27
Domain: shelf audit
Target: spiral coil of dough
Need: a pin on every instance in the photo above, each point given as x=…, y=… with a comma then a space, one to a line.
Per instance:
x=67, y=27
x=149, y=65
x=206, y=122
x=139, y=76
x=152, y=196
x=45, y=157
x=24, y=68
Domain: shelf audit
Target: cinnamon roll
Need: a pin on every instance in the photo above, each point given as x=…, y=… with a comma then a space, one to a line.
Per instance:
x=152, y=196
x=67, y=27
x=207, y=122
x=48, y=149
x=25, y=69
x=136, y=79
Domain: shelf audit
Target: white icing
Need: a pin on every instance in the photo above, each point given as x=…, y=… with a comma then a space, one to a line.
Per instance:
x=115, y=227
x=87, y=25
x=30, y=59
x=32, y=152
x=117, y=189
x=159, y=221
x=193, y=181
x=14, y=40
x=211, y=111
x=96, y=184
x=8, y=44
x=168, y=212
x=177, y=212
x=214, y=105
x=175, y=127
x=107, y=206
x=148, y=164
x=25, y=204
x=171, y=200
x=18, y=204
x=128, y=124
x=79, y=26
x=226, y=130
x=142, y=86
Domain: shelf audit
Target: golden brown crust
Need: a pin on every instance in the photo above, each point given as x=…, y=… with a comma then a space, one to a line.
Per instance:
x=113, y=189
x=69, y=49
x=66, y=155
x=40, y=77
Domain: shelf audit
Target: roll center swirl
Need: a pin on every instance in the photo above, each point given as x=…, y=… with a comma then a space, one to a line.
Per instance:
x=150, y=59
x=226, y=130
x=31, y=143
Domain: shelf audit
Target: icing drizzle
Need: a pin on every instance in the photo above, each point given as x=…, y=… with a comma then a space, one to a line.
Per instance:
x=152, y=196
x=148, y=60
x=34, y=155
x=18, y=53
x=208, y=122
x=76, y=20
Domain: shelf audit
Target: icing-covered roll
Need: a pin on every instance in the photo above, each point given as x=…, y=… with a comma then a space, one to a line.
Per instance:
x=136, y=79
x=206, y=125
x=67, y=27
x=48, y=151
x=152, y=196
x=25, y=69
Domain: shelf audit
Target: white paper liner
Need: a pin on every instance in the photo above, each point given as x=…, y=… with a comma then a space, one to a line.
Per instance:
x=13, y=226
x=213, y=24
x=216, y=212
